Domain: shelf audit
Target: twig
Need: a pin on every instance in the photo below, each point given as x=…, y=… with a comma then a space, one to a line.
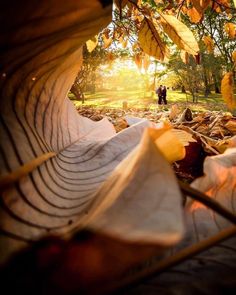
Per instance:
x=171, y=261
x=207, y=201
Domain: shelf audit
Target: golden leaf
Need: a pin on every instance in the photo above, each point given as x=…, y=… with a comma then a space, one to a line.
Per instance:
x=194, y=15
x=170, y=146
x=183, y=136
x=227, y=90
x=230, y=29
x=209, y=43
x=151, y=42
x=179, y=33
x=107, y=41
x=92, y=43
x=184, y=56
x=234, y=55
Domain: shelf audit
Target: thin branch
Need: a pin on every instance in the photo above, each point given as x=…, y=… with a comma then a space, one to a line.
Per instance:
x=207, y=201
x=165, y=264
x=180, y=7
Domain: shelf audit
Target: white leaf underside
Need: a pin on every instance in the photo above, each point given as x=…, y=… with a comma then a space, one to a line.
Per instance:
x=61, y=195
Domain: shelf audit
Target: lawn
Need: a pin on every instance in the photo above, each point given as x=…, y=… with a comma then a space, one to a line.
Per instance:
x=141, y=99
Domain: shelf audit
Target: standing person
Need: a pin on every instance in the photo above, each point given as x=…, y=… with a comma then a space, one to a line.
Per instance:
x=159, y=94
x=163, y=94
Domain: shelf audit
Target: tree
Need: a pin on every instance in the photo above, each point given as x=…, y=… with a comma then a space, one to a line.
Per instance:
x=148, y=27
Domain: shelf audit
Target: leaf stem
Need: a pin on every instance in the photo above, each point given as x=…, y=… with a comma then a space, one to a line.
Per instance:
x=171, y=261
x=207, y=201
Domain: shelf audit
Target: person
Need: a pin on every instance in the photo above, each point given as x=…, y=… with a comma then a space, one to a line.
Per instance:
x=159, y=94
x=163, y=94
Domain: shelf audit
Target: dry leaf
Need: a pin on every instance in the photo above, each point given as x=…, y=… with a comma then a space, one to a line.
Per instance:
x=231, y=126
x=150, y=41
x=219, y=183
x=230, y=29
x=179, y=33
x=227, y=90
x=136, y=217
x=201, y=5
x=52, y=197
x=194, y=15
x=183, y=136
x=107, y=41
x=174, y=112
x=92, y=43
x=209, y=43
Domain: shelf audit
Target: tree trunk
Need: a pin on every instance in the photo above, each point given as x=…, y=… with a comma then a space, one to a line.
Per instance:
x=216, y=83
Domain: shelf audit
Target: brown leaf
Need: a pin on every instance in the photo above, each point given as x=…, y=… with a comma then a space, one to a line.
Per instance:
x=219, y=183
x=120, y=4
x=231, y=126
x=150, y=41
x=200, y=5
x=156, y=219
x=194, y=15
x=209, y=43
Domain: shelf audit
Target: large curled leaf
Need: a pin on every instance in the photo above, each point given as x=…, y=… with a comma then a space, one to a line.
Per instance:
x=144, y=198
x=39, y=64
x=151, y=42
x=58, y=159
x=179, y=33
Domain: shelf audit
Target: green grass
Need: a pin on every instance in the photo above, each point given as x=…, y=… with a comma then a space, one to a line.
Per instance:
x=141, y=99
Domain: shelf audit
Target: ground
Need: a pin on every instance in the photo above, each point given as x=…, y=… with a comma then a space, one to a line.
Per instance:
x=148, y=100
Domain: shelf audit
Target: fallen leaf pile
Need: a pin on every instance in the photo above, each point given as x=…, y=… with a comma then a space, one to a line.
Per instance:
x=214, y=124
x=212, y=131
